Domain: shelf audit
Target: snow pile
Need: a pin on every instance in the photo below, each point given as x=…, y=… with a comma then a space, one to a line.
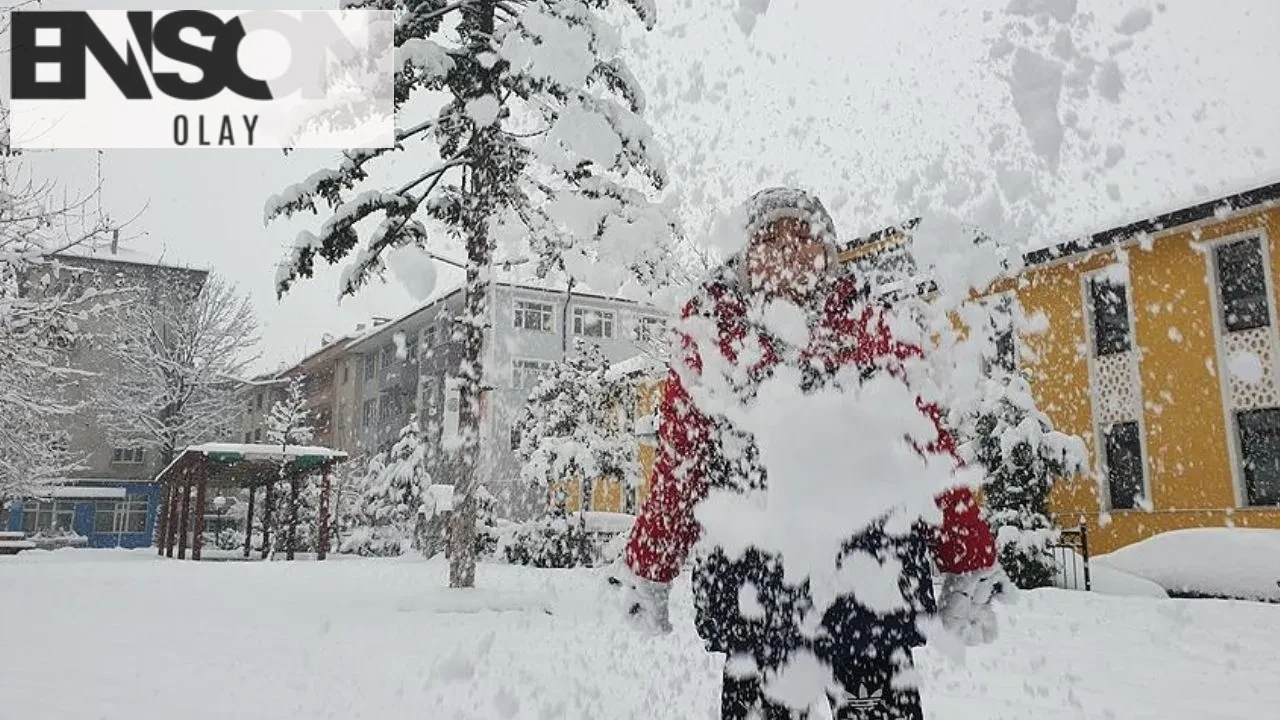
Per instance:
x=364, y=639
x=1220, y=562
x=1103, y=579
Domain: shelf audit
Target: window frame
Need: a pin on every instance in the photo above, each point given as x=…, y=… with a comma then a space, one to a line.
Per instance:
x=1095, y=337
x=1141, y=493
x=521, y=308
x=135, y=455
x=523, y=364
x=370, y=366
x=644, y=323
x=1246, y=485
x=368, y=412
x=1224, y=316
x=411, y=340
x=34, y=510
x=608, y=318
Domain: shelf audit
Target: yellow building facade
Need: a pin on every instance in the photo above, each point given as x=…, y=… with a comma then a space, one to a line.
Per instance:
x=1161, y=353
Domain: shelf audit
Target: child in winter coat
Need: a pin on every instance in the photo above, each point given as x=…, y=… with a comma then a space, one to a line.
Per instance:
x=791, y=254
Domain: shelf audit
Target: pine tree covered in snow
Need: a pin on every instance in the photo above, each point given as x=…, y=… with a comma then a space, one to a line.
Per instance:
x=1023, y=456
x=395, y=485
x=289, y=422
x=535, y=154
x=574, y=427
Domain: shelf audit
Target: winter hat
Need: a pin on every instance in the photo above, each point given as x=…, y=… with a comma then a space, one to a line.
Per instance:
x=776, y=203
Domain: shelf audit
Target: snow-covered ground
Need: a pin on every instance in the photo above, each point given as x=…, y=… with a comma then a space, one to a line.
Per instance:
x=123, y=634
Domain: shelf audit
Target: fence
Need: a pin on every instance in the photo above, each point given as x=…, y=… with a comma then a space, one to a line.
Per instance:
x=1071, y=555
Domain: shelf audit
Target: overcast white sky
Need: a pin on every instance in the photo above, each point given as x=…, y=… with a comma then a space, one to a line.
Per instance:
x=847, y=97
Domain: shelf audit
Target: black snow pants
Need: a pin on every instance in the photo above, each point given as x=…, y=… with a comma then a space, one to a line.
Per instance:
x=744, y=609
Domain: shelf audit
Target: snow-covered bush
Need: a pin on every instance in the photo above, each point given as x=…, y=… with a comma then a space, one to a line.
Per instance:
x=573, y=426
x=390, y=513
x=560, y=541
x=1023, y=456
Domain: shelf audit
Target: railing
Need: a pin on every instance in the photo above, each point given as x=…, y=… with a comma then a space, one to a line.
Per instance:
x=1071, y=555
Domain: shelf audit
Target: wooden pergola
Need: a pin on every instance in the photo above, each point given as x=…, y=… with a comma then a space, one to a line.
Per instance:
x=234, y=465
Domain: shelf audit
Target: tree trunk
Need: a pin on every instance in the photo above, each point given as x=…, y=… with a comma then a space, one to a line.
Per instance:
x=183, y=519
x=476, y=29
x=248, y=524
x=197, y=537
x=269, y=499
x=162, y=519
x=293, y=518
x=322, y=517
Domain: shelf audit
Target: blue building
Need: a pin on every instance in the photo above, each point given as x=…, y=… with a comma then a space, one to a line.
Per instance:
x=92, y=513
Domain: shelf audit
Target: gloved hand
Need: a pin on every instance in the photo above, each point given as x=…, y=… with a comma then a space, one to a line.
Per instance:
x=644, y=601
x=966, y=603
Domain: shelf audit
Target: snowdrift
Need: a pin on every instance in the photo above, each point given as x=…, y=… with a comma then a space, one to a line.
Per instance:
x=1103, y=579
x=1241, y=563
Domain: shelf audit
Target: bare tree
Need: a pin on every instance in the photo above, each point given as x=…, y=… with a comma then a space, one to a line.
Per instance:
x=174, y=358
x=43, y=307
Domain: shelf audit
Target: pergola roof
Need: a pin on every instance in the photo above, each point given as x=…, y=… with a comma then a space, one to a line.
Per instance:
x=247, y=464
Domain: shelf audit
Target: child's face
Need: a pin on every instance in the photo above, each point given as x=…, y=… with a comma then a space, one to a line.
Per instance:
x=785, y=259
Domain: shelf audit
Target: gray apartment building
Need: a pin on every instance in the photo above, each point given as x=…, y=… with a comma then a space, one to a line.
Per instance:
x=410, y=363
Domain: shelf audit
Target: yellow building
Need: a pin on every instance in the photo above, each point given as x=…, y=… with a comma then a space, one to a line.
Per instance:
x=1162, y=354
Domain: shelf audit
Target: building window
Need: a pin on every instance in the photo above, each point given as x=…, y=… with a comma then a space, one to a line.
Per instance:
x=257, y=435
x=121, y=516
x=388, y=354
x=429, y=335
x=649, y=328
x=384, y=406
x=1242, y=284
x=525, y=374
x=346, y=373
x=259, y=401
x=370, y=407
x=411, y=347
x=47, y=516
x=589, y=322
x=515, y=438
x=248, y=437
x=1110, y=310
x=1260, y=453
x=132, y=455
x=537, y=316
x=370, y=366
x=1124, y=465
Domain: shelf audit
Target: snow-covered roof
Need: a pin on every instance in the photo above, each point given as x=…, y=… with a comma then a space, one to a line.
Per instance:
x=265, y=451
x=72, y=491
x=123, y=255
